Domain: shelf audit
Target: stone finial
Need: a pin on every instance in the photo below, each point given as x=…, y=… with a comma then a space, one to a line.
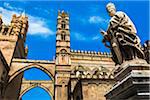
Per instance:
x=107, y=53
x=85, y=51
x=58, y=11
x=26, y=50
x=1, y=21
x=62, y=11
x=75, y=50
x=0, y=16
x=104, y=53
x=99, y=53
x=23, y=14
x=78, y=51
x=59, y=15
x=14, y=16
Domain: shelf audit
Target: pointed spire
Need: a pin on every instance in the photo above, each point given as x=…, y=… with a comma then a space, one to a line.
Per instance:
x=23, y=14
x=59, y=15
x=58, y=11
x=62, y=11
x=0, y=16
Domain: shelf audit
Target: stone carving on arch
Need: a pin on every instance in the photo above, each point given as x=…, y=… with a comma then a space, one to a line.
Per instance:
x=24, y=68
x=34, y=86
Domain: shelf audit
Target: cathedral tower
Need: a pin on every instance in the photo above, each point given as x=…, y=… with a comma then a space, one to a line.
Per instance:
x=63, y=39
x=63, y=61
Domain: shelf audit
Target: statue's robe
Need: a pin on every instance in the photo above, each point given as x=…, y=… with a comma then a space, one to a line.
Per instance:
x=126, y=44
x=122, y=20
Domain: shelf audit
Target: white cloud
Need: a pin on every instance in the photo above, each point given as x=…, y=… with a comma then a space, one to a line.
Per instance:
x=95, y=37
x=43, y=10
x=6, y=14
x=97, y=19
x=8, y=6
x=37, y=26
x=82, y=37
x=79, y=36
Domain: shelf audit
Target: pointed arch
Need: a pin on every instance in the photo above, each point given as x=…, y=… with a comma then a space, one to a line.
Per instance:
x=34, y=65
x=34, y=86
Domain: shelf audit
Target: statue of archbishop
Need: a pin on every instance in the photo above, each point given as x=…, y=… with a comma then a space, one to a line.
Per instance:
x=121, y=37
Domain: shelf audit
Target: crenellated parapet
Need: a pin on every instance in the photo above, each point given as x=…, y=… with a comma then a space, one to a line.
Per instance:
x=106, y=54
x=90, y=55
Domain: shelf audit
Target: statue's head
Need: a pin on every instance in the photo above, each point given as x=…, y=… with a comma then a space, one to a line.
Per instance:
x=111, y=9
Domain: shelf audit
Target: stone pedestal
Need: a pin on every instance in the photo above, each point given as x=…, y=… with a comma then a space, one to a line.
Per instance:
x=132, y=81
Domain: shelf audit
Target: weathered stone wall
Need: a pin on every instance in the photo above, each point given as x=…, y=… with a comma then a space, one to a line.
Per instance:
x=13, y=89
x=94, y=70
x=95, y=89
x=4, y=69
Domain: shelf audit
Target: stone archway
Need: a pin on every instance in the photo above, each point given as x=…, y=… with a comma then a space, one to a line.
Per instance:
x=30, y=67
x=48, y=86
x=18, y=66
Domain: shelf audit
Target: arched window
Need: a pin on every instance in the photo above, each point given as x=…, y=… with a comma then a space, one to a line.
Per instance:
x=63, y=37
x=36, y=93
x=63, y=25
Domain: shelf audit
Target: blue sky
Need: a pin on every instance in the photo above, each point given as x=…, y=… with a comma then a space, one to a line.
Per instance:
x=86, y=19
